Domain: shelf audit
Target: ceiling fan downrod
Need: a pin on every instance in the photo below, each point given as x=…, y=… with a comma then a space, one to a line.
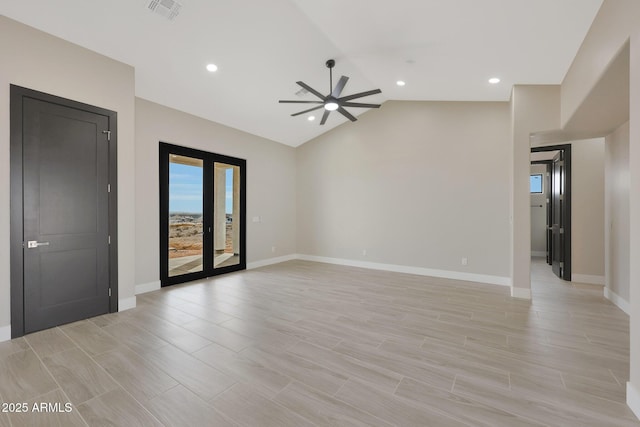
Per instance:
x=330, y=64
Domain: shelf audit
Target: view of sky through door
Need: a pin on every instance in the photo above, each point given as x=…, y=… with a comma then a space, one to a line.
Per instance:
x=185, y=215
x=185, y=189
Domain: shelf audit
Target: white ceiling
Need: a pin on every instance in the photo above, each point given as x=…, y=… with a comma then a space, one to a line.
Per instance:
x=443, y=49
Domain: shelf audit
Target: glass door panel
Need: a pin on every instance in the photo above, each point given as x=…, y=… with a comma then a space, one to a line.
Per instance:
x=202, y=214
x=186, y=239
x=226, y=215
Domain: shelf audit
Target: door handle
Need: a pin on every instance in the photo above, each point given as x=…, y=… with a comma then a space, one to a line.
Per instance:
x=34, y=244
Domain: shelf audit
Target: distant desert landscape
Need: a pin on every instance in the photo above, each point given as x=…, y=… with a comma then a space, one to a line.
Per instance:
x=185, y=235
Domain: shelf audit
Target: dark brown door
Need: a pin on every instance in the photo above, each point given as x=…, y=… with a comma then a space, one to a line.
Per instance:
x=558, y=213
x=66, y=214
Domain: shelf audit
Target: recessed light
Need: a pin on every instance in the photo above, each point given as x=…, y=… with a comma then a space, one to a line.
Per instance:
x=311, y=118
x=212, y=68
x=494, y=80
x=400, y=83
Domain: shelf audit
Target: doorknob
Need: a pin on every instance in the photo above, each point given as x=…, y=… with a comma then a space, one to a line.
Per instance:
x=34, y=244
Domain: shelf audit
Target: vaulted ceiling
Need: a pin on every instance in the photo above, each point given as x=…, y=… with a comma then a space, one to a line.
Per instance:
x=445, y=50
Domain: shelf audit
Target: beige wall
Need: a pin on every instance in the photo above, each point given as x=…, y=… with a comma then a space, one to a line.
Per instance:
x=587, y=214
x=419, y=184
x=615, y=24
x=533, y=109
x=352, y=181
x=539, y=213
x=271, y=177
x=38, y=61
x=587, y=211
x=617, y=213
x=633, y=389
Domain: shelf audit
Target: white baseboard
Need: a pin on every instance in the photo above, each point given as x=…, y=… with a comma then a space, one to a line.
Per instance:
x=633, y=399
x=540, y=254
x=5, y=333
x=522, y=293
x=126, y=303
x=270, y=261
x=147, y=287
x=446, y=274
x=587, y=278
x=620, y=302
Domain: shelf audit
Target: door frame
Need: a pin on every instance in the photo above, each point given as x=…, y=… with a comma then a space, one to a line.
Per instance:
x=164, y=150
x=17, y=95
x=566, y=149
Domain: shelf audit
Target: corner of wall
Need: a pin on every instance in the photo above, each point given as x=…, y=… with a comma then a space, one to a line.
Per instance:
x=633, y=399
x=126, y=303
x=5, y=333
x=617, y=300
x=520, y=293
x=147, y=287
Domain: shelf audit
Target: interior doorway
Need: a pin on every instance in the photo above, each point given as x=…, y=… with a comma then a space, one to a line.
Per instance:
x=557, y=158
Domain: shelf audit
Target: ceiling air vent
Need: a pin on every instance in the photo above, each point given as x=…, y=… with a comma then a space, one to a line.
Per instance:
x=167, y=8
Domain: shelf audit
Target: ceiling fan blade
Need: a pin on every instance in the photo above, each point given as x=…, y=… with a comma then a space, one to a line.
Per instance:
x=300, y=102
x=360, y=95
x=306, y=111
x=359, y=105
x=338, y=89
x=312, y=90
x=324, y=117
x=346, y=114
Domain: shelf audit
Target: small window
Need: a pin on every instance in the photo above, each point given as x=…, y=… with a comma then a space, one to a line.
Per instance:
x=536, y=183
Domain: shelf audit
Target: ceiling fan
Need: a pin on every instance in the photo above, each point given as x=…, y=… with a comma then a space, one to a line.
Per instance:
x=333, y=101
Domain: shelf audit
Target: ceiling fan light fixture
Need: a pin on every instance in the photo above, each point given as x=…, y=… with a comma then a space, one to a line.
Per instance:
x=331, y=106
x=333, y=101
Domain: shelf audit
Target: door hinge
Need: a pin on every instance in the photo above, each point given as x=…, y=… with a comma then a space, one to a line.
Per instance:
x=561, y=264
x=109, y=239
x=108, y=188
x=108, y=132
x=562, y=231
x=109, y=291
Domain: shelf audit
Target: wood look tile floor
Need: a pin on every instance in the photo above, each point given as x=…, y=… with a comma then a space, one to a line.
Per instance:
x=304, y=344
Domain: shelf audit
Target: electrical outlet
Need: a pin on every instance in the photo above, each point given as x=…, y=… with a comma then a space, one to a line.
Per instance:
x=464, y=261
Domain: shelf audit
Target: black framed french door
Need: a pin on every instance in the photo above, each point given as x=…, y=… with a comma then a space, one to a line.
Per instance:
x=202, y=214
